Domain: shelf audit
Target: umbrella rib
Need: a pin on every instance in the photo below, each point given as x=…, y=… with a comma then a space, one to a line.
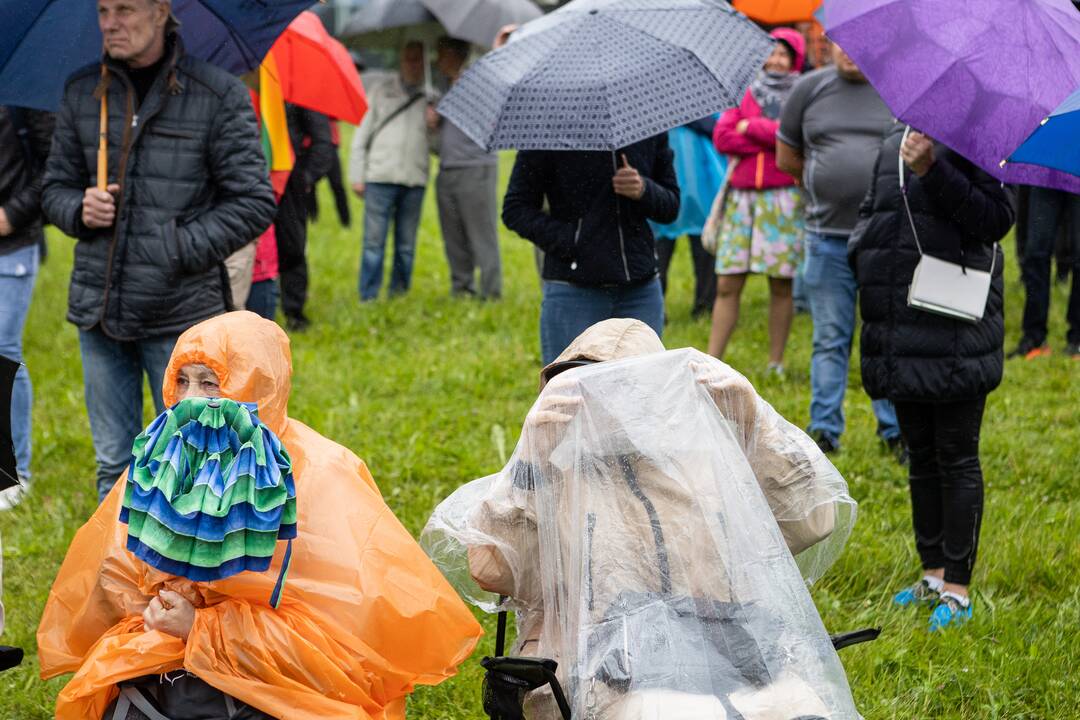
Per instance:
x=245, y=50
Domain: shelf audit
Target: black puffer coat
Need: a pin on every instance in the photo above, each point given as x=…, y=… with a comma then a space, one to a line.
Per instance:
x=590, y=235
x=22, y=162
x=960, y=212
x=194, y=189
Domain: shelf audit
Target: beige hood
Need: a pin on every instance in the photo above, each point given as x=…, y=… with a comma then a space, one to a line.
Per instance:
x=613, y=339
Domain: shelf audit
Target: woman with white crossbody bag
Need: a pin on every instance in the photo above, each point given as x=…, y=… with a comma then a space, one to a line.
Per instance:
x=927, y=260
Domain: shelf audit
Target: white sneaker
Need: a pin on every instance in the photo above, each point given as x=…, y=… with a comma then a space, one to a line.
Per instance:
x=11, y=497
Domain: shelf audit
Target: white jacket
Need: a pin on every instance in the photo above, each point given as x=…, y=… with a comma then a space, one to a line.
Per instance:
x=399, y=151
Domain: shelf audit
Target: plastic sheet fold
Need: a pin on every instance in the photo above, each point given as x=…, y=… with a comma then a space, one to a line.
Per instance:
x=654, y=532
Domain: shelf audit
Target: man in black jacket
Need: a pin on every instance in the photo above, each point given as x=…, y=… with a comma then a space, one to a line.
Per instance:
x=309, y=133
x=599, y=252
x=25, y=136
x=187, y=187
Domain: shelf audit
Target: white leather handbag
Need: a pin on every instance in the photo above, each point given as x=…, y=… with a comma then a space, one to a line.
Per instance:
x=942, y=287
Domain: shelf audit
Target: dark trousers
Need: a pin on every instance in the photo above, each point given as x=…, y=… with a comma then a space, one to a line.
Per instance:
x=290, y=225
x=946, y=482
x=704, y=271
x=1047, y=211
x=263, y=298
x=337, y=187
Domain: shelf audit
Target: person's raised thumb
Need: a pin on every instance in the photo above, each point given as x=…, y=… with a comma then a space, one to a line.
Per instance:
x=625, y=162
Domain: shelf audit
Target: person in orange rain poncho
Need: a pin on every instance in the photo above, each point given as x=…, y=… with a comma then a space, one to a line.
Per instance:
x=364, y=616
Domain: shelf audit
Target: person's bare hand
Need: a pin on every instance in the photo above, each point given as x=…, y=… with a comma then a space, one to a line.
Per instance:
x=359, y=189
x=432, y=117
x=99, y=206
x=742, y=126
x=503, y=36
x=5, y=224
x=627, y=181
x=918, y=153
x=171, y=614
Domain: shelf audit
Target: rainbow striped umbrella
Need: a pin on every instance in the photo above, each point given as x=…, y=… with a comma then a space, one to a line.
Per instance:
x=209, y=493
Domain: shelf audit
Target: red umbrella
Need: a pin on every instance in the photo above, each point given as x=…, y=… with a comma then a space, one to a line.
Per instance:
x=317, y=72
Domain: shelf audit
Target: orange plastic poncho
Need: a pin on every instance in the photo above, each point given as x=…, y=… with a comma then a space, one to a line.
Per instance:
x=365, y=616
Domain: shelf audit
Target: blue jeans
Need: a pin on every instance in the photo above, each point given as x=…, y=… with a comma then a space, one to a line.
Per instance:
x=17, y=272
x=263, y=298
x=831, y=289
x=383, y=203
x=113, y=378
x=568, y=310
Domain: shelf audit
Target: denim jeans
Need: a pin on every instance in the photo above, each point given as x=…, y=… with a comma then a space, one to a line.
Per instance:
x=568, y=310
x=113, y=379
x=263, y=298
x=831, y=289
x=1048, y=210
x=17, y=272
x=382, y=203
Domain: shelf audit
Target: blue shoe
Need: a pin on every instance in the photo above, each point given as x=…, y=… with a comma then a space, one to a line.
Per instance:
x=918, y=594
x=949, y=611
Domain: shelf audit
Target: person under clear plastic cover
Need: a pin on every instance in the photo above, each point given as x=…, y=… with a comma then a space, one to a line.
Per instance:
x=654, y=532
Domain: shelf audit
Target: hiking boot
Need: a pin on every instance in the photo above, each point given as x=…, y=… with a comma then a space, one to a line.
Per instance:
x=825, y=441
x=918, y=594
x=951, y=611
x=1029, y=349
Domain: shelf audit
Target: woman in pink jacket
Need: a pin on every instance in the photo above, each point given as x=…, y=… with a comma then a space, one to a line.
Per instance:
x=762, y=227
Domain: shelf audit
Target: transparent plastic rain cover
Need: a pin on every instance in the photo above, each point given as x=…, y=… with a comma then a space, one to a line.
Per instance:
x=654, y=532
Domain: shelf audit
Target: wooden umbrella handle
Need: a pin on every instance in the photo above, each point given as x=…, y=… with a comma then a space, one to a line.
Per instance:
x=103, y=141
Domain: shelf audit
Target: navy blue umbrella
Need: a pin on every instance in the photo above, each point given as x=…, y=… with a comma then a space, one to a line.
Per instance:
x=43, y=41
x=602, y=74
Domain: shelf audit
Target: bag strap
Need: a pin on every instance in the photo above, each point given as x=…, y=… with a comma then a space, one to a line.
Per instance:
x=386, y=121
x=907, y=205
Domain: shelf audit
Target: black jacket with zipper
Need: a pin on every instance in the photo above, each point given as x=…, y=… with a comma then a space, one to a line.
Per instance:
x=22, y=165
x=589, y=235
x=194, y=188
x=960, y=213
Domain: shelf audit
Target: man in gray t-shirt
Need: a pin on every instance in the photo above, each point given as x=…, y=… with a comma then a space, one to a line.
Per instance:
x=466, y=190
x=830, y=130
x=835, y=123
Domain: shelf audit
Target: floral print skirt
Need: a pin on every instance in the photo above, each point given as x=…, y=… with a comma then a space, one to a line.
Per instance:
x=762, y=232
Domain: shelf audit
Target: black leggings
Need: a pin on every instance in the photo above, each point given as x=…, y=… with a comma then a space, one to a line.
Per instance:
x=946, y=482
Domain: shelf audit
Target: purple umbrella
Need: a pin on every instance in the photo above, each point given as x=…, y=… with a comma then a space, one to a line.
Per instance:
x=977, y=75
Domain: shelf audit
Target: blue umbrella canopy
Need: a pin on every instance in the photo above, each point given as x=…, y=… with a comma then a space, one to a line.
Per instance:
x=602, y=74
x=1054, y=145
x=43, y=41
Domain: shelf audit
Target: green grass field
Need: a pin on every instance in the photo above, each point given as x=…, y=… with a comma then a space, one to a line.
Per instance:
x=423, y=388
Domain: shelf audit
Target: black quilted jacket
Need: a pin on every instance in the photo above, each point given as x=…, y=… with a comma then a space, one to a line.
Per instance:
x=194, y=189
x=960, y=212
x=22, y=163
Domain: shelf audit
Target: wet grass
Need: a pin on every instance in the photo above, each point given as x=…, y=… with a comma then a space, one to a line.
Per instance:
x=425, y=388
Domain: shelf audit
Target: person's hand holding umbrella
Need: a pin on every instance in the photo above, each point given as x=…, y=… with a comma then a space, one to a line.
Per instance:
x=918, y=153
x=99, y=206
x=627, y=181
